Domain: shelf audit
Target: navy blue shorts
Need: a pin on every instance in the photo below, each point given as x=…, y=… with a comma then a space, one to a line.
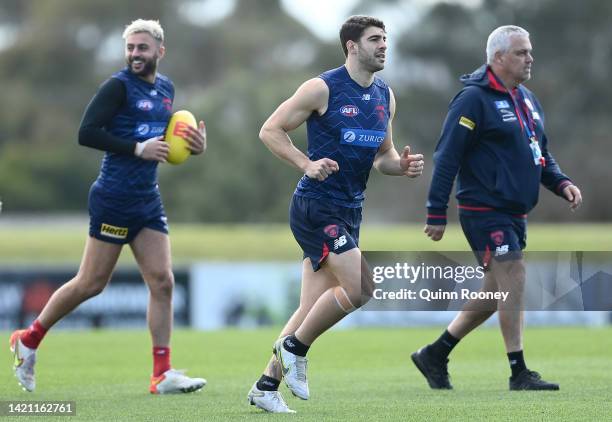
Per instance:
x=321, y=227
x=494, y=235
x=118, y=219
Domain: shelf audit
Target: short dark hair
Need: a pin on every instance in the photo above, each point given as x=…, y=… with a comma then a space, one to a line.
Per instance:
x=354, y=27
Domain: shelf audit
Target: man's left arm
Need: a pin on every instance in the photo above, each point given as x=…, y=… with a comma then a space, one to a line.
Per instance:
x=388, y=161
x=556, y=181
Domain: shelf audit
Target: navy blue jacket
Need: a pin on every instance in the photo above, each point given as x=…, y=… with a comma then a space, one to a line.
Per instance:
x=485, y=138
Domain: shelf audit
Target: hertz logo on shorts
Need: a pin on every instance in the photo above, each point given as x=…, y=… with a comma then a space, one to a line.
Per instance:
x=112, y=231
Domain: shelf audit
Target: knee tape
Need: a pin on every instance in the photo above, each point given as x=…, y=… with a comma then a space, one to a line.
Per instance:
x=343, y=300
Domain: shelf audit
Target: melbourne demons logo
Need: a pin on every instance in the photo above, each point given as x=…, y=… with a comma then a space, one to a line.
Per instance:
x=497, y=237
x=380, y=110
x=331, y=230
x=349, y=110
x=167, y=104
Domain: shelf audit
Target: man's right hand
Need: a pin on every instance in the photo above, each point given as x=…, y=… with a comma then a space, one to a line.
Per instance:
x=435, y=232
x=321, y=169
x=154, y=149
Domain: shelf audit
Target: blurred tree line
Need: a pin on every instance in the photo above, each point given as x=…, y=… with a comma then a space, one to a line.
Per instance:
x=234, y=72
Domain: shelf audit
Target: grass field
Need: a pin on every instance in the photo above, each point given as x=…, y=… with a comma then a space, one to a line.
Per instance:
x=51, y=243
x=354, y=375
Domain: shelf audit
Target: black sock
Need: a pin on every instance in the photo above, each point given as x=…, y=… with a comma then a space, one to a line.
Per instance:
x=267, y=383
x=442, y=347
x=517, y=362
x=293, y=345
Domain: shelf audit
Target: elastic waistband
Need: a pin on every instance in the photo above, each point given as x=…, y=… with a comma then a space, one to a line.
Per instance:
x=478, y=208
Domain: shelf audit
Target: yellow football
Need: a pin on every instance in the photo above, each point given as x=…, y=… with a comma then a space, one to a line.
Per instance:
x=175, y=133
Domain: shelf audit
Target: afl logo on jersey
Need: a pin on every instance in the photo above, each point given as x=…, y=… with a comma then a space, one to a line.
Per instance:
x=349, y=136
x=349, y=110
x=145, y=105
x=380, y=110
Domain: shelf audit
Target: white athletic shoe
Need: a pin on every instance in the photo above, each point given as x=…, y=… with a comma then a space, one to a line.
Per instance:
x=25, y=359
x=174, y=381
x=294, y=370
x=270, y=401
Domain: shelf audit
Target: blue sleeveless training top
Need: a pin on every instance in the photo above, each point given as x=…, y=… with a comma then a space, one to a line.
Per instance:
x=350, y=132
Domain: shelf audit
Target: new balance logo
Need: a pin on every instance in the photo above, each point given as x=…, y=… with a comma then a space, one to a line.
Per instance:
x=501, y=250
x=339, y=242
x=365, y=97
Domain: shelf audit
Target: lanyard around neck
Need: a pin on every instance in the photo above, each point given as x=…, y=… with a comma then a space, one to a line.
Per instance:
x=528, y=124
x=522, y=112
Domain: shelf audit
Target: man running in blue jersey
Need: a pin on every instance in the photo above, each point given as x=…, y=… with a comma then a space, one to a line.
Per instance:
x=348, y=112
x=126, y=118
x=493, y=138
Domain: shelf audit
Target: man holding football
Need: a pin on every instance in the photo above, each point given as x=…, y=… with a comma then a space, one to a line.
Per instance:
x=126, y=118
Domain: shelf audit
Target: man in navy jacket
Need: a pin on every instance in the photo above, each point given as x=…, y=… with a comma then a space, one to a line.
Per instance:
x=493, y=141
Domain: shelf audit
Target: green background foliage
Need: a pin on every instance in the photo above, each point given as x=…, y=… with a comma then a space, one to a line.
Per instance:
x=233, y=72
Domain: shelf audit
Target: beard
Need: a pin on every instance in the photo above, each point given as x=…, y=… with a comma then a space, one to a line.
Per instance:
x=371, y=63
x=149, y=66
